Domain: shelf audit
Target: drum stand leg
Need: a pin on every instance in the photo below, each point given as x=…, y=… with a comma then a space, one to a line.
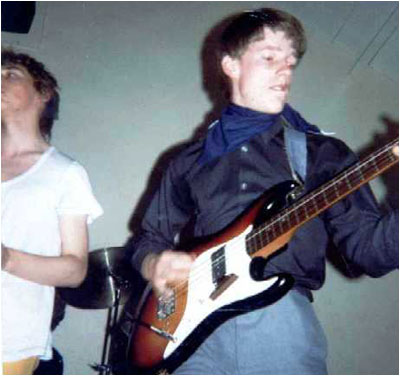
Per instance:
x=104, y=368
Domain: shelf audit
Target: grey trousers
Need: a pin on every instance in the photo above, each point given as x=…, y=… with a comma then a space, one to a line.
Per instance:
x=281, y=339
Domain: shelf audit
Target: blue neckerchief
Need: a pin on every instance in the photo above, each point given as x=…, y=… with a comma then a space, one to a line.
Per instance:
x=239, y=124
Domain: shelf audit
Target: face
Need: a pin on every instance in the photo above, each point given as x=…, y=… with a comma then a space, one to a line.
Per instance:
x=18, y=93
x=262, y=75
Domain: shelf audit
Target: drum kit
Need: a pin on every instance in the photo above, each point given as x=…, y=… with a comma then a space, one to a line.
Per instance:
x=108, y=284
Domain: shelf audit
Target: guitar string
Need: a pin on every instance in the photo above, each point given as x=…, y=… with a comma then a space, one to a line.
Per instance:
x=194, y=279
x=289, y=211
x=326, y=187
x=197, y=273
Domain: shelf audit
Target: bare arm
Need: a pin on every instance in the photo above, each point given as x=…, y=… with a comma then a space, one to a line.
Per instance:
x=67, y=270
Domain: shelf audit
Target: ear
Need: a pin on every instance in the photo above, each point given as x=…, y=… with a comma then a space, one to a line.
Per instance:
x=230, y=66
x=41, y=100
x=45, y=96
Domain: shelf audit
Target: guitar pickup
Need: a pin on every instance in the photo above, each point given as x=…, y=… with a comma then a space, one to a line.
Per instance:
x=222, y=285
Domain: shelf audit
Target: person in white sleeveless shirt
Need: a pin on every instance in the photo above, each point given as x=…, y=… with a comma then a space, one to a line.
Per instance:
x=47, y=203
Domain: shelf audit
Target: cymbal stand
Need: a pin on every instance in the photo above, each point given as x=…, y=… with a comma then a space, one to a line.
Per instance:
x=105, y=368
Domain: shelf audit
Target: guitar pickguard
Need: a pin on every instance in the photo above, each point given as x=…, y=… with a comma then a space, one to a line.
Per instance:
x=200, y=301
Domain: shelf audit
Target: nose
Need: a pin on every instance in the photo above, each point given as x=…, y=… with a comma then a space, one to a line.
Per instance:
x=3, y=86
x=287, y=67
x=285, y=70
x=3, y=82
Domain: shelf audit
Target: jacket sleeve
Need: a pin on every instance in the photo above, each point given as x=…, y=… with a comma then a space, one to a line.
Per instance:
x=362, y=233
x=168, y=212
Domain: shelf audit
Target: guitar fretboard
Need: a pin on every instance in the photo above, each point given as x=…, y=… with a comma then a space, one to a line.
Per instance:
x=322, y=198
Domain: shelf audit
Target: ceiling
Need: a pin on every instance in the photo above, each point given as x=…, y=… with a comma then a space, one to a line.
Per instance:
x=369, y=29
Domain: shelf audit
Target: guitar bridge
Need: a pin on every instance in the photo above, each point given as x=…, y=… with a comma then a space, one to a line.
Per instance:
x=166, y=306
x=223, y=284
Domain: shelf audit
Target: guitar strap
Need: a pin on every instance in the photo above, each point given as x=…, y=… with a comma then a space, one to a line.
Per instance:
x=296, y=150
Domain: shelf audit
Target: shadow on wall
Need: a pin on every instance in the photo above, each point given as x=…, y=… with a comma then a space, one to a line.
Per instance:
x=217, y=89
x=391, y=177
x=391, y=200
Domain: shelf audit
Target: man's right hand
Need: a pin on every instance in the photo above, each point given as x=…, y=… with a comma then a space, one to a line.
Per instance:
x=166, y=269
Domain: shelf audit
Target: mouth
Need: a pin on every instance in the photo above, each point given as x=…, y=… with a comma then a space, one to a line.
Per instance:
x=283, y=88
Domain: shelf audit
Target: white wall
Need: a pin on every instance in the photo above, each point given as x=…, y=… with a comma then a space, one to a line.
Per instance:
x=131, y=80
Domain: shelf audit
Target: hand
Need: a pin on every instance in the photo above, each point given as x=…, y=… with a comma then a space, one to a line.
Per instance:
x=166, y=270
x=396, y=151
x=5, y=255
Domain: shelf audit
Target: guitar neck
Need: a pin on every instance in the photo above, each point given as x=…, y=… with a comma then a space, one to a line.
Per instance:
x=322, y=198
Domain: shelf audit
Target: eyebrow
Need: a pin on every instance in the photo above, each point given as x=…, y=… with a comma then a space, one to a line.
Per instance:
x=272, y=48
x=278, y=49
x=12, y=67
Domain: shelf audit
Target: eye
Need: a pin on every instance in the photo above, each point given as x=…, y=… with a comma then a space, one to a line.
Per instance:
x=8, y=75
x=12, y=73
x=268, y=58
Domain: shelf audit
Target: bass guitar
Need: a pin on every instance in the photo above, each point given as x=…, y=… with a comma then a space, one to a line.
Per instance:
x=221, y=283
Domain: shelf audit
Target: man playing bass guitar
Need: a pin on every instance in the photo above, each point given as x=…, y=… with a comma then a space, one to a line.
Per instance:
x=214, y=180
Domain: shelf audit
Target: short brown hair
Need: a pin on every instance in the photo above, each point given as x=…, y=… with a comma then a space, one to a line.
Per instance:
x=248, y=26
x=44, y=82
